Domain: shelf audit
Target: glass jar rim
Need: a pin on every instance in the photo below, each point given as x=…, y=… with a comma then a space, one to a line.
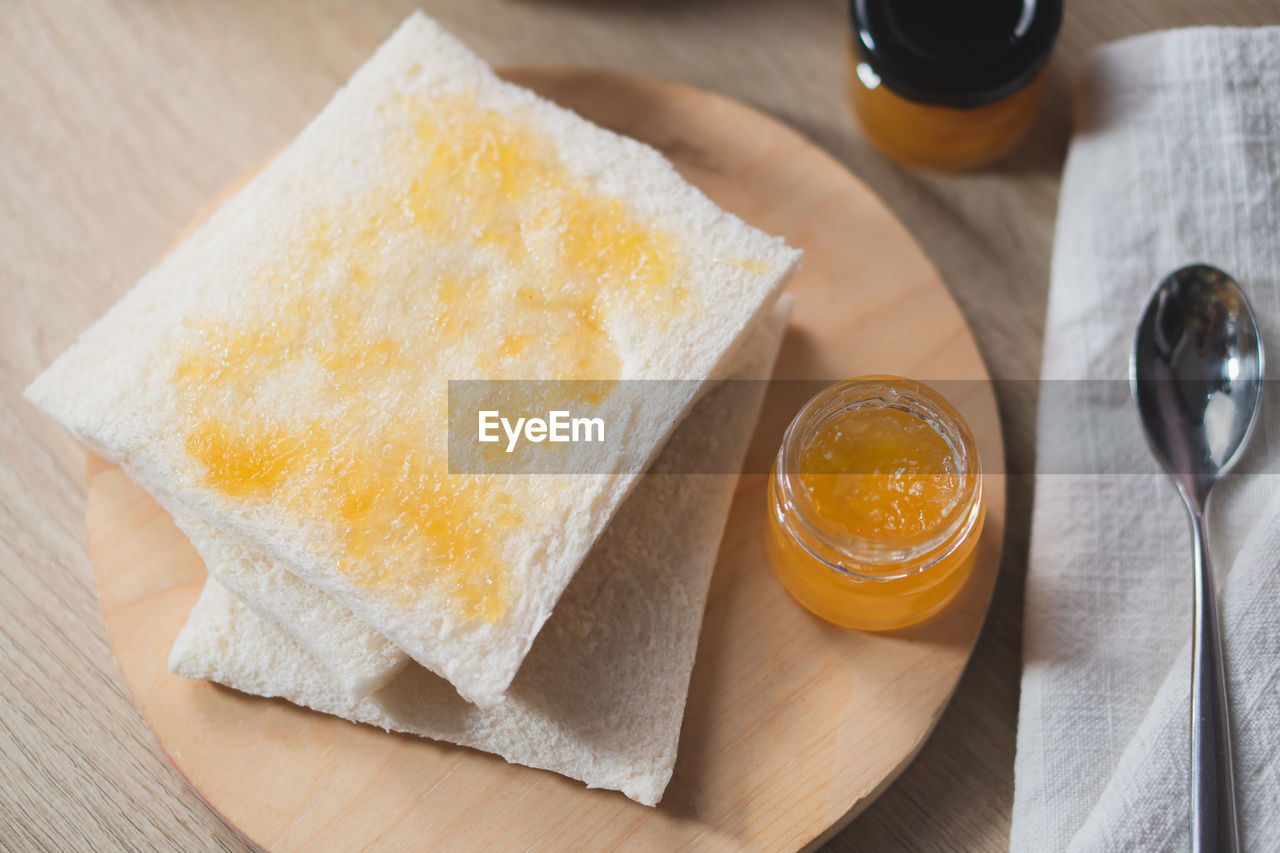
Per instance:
x=890, y=558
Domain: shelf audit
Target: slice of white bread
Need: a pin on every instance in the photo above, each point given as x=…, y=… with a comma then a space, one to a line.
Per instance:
x=359, y=659
x=282, y=372
x=601, y=695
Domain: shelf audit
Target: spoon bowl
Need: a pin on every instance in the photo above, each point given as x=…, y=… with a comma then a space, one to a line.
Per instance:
x=1196, y=375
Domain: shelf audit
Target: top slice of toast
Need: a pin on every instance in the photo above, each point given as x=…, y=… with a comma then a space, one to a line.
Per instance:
x=283, y=372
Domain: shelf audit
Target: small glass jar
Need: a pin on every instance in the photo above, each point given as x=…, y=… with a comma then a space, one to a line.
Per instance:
x=948, y=84
x=875, y=503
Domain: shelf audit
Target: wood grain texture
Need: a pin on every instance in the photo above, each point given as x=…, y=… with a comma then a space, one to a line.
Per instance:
x=118, y=120
x=792, y=727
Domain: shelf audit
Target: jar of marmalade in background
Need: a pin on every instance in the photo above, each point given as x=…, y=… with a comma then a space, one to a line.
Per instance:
x=949, y=84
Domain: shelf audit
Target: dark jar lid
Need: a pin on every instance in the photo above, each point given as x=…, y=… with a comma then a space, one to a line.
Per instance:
x=955, y=53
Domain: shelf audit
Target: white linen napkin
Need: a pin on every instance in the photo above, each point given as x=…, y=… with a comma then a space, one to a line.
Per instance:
x=1176, y=159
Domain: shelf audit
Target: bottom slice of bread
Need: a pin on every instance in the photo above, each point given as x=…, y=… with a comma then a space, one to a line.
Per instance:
x=358, y=658
x=601, y=695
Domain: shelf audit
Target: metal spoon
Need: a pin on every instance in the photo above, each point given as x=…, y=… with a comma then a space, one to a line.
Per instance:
x=1196, y=376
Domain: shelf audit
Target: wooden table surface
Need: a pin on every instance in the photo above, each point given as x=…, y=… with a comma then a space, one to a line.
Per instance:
x=118, y=120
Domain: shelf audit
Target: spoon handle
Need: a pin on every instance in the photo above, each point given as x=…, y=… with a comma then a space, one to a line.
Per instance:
x=1213, y=806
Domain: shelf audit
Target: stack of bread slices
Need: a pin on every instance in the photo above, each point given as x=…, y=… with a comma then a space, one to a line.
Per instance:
x=279, y=383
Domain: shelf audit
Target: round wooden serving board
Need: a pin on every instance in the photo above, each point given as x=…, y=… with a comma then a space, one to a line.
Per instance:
x=792, y=727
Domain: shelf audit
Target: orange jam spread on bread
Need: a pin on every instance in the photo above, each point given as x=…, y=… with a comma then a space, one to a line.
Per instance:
x=875, y=503
x=323, y=389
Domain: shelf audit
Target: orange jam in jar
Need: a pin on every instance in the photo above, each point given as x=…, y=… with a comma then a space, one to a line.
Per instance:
x=875, y=503
x=947, y=84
